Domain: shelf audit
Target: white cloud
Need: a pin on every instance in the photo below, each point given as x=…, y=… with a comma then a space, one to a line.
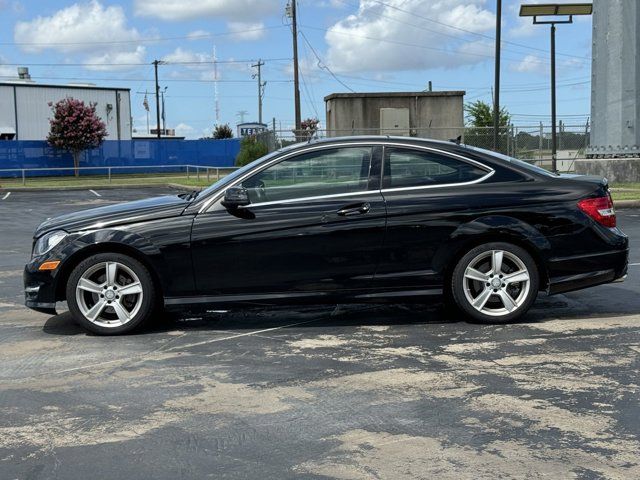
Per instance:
x=7, y=70
x=246, y=30
x=116, y=60
x=73, y=28
x=198, y=34
x=354, y=45
x=184, y=130
x=180, y=55
x=235, y=10
x=541, y=66
x=189, y=60
x=531, y=64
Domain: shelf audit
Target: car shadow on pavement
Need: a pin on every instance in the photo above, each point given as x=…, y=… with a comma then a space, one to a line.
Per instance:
x=257, y=318
x=546, y=308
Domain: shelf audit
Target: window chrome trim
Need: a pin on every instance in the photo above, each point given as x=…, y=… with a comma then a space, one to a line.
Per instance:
x=317, y=197
x=442, y=185
x=311, y=148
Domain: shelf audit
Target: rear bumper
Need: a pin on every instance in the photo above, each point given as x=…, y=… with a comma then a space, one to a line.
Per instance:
x=576, y=272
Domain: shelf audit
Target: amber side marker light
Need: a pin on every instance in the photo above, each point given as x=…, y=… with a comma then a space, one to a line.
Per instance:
x=49, y=265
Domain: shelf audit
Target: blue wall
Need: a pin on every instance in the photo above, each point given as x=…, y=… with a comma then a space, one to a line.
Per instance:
x=38, y=154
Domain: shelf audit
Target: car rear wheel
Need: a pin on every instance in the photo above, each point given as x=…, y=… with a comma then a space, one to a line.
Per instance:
x=495, y=283
x=110, y=294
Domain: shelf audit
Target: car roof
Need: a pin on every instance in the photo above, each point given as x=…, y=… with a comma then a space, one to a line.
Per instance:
x=376, y=138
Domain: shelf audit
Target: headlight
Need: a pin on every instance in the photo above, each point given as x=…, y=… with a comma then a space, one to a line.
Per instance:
x=47, y=242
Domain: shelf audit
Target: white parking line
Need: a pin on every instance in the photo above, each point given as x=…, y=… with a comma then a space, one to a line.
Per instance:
x=6, y=195
x=95, y=193
x=634, y=264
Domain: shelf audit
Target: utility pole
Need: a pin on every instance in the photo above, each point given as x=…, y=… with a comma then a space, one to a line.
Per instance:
x=554, y=151
x=496, y=94
x=164, y=118
x=155, y=68
x=296, y=88
x=261, y=86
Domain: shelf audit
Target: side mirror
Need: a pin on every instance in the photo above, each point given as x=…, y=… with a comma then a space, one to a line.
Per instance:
x=235, y=197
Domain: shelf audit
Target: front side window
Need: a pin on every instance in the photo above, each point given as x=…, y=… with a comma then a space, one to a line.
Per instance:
x=326, y=172
x=415, y=168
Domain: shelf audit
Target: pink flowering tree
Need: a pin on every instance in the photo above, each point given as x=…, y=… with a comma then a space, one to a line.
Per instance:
x=75, y=127
x=309, y=127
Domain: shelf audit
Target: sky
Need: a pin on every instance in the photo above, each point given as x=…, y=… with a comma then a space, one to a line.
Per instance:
x=344, y=45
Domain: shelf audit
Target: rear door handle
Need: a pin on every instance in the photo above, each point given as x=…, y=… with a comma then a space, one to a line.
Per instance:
x=358, y=209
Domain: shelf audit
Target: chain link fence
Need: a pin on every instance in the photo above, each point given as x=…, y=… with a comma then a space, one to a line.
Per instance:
x=531, y=143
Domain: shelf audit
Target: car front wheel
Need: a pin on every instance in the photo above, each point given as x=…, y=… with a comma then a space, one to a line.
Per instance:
x=110, y=294
x=495, y=282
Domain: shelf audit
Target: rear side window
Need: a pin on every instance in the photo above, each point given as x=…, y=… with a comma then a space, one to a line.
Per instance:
x=404, y=167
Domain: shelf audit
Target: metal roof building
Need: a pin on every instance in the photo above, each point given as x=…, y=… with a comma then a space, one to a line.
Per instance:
x=25, y=110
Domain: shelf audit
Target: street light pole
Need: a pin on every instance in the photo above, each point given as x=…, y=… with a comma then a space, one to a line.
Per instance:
x=553, y=11
x=554, y=145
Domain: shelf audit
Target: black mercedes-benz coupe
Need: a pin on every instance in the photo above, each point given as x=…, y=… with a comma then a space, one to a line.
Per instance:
x=355, y=219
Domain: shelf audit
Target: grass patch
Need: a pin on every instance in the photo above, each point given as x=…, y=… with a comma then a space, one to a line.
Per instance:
x=89, y=181
x=625, y=191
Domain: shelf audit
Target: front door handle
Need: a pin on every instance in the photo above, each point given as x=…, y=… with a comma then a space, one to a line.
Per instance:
x=358, y=209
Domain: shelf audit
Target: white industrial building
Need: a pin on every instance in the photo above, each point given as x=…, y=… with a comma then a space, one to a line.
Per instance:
x=25, y=110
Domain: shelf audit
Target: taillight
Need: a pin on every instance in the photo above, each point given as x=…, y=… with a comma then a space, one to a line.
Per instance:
x=600, y=209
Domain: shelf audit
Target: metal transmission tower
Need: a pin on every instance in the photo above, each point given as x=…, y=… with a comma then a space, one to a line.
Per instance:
x=242, y=114
x=615, y=79
x=261, y=86
x=215, y=85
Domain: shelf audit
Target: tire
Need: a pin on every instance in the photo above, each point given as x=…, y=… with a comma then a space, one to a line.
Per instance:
x=95, y=298
x=490, y=297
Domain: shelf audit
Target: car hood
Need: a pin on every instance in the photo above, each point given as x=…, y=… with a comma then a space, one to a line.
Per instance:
x=118, y=214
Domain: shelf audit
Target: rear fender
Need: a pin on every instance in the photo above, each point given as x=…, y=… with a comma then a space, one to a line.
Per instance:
x=493, y=228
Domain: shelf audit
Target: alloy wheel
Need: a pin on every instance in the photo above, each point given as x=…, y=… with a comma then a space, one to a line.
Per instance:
x=496, y=283
x=109, y=294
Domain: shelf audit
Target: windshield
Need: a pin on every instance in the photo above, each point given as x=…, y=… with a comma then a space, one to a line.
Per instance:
x=515, y=161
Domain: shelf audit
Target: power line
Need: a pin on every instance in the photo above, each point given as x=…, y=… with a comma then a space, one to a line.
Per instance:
x=489, y=37
x=322, y=66
x=184, y=80
x=140, y=64
x=140, y=40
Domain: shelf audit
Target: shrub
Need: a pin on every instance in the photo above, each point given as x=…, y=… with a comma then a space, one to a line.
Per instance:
x=222, y=131
x=250, y=149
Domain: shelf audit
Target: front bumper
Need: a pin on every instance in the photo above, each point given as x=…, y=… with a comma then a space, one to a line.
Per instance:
x=39, y=288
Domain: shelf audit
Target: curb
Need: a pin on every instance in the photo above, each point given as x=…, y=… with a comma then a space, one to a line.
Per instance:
x=622, y=204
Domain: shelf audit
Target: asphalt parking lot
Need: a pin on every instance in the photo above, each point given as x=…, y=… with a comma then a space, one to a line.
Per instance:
x=329, y=392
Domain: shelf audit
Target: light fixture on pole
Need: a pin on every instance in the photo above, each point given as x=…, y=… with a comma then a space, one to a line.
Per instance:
x=549, y=13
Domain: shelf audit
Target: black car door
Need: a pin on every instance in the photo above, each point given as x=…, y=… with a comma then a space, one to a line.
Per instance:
x=315, y=223
x=428, y=194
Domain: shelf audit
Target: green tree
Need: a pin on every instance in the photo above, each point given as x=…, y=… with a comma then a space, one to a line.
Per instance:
x=222, y=131
x=480, y=114
x=250, y=149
